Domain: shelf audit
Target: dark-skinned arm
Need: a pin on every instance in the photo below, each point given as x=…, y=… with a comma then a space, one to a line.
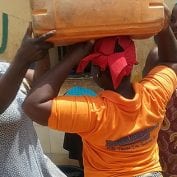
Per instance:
x=167, y=43
x=38, y=104
x=41, y=67
x=167, y=48
x=151, y=61
x=29, y=76
x=165, y=52
x=30, y=51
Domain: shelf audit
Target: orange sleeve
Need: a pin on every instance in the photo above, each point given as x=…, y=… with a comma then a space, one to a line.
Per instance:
x=162, y=81
x=74, y=114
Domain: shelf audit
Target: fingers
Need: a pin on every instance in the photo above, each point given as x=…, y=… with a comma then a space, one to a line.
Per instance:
x=45, y=45
x=46, y=36
x=41, y=43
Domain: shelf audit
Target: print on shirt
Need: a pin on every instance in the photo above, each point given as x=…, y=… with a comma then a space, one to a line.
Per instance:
x=132, y=141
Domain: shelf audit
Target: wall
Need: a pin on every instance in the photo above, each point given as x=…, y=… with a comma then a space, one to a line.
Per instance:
x=14, y=18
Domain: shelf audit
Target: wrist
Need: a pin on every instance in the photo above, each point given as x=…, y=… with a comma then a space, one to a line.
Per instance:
x=21, y=60
x=20, y=63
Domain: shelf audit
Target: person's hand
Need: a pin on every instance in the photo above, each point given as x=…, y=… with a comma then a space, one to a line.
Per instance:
x=76, y=52
x=167, y=16
x=34, y=49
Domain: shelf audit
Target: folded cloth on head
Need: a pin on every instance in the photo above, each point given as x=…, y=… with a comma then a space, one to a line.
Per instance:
x=105, y=55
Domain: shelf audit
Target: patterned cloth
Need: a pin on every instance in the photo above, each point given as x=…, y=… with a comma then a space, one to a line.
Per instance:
x=168, y=139
x=153, y=174
x=21, y=154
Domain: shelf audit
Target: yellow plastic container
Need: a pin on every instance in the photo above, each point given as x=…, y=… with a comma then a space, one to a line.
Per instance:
x=80, y=20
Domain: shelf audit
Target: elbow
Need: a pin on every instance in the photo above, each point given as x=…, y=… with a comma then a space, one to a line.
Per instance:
x=32, y=110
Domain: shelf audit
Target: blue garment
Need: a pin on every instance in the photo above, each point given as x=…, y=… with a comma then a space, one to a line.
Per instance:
x=80, y=91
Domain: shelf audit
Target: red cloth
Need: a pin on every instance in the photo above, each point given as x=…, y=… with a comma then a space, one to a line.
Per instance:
x=104, y=55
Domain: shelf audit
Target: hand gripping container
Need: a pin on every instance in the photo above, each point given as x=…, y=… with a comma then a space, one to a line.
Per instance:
x=81, y=20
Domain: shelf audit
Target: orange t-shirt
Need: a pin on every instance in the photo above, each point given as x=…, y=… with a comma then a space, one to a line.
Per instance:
x=119, y=135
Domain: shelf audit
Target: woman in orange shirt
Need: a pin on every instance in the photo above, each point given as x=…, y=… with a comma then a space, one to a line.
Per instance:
x=120, y=126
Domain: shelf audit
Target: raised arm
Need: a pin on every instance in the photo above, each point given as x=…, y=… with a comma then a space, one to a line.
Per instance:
x=39, y=102
x=151, y=61
x=166, y=50
x=164, y=53
x=30, y=51
x=167, y=46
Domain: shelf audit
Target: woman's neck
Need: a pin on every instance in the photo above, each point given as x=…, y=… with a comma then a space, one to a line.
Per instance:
x=126, y=88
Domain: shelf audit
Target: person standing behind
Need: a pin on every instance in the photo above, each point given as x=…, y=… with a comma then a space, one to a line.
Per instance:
x=21, y=154
x=120, y=126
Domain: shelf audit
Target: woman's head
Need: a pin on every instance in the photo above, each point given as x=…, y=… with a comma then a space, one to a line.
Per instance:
x=173, y=22
x=112, y=59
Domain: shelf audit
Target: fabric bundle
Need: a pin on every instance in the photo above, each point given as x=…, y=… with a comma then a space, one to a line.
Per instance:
x=120, y=63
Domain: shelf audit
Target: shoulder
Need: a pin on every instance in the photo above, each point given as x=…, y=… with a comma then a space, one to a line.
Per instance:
x=162, y=69
x=161, y=77
x=73, y=104
x=161, y=72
